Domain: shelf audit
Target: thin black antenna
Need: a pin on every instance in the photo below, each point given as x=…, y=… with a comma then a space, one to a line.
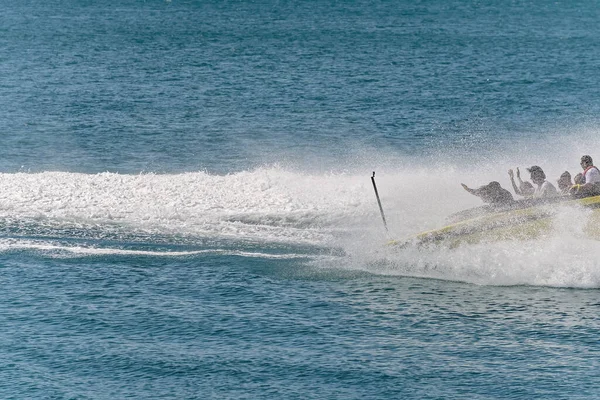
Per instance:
x=379, y=202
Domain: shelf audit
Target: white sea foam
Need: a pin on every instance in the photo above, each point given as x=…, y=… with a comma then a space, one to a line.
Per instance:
x=335, y=209
x=565, y=257
x=266, y=205
x=57, y=249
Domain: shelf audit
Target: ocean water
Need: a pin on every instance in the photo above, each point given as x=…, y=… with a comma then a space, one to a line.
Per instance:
x=186, y=210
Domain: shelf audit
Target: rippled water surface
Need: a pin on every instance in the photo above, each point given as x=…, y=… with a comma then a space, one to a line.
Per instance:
x=217, y=326
x=186, y=208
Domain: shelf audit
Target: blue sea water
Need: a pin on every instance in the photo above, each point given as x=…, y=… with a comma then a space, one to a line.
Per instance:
x=186, y=209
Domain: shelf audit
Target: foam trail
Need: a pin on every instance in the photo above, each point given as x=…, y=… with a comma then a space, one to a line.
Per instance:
x=58, y=249
x=263, y=205
x=286, y=207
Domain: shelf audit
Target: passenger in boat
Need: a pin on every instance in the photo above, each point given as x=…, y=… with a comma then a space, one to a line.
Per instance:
x=525, y=189
x=492, y=194
x=564, y=183
x=544, y=188
x=590, y=181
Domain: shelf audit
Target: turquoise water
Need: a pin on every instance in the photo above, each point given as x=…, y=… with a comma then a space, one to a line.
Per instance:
x=186, y=209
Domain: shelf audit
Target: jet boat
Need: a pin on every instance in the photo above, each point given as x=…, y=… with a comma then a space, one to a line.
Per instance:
x=521, y=220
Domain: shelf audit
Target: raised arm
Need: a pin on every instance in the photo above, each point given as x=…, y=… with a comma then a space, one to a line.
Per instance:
x=519, y=177
x=467, y=188
x=512, y=180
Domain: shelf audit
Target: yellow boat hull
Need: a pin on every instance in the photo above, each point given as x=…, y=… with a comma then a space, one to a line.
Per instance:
x=526, y=223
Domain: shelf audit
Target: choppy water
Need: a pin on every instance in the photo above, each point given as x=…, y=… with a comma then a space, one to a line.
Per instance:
x=186, y=209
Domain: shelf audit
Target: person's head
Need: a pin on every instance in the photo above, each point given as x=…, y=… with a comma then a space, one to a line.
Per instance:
x=578, y=179
x=526, y=188
x=564, y=182
x=586, y=161
x=537, y=175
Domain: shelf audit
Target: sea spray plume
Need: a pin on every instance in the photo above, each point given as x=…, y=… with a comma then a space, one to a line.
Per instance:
x=426, y=197
x=267, y=204
x=561, y=259
x=273, y=205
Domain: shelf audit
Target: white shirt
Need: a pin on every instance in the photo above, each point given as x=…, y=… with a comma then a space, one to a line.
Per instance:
x=546, y=189
x=592, y=175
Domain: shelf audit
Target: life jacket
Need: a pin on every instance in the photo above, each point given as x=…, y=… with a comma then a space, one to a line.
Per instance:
x=587, y=169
